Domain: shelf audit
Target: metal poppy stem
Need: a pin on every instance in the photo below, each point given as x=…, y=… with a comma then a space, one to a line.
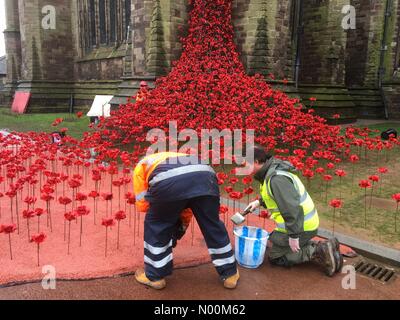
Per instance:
x=94, y=211
x=69, y=234
x=49, y=214
x=106, y=241
x=12, y=215
x=130, y=215
x=370, y=198
x=65, y=222
x=80, y=236
x=365, y=207
x=119, y=198
x=9, y=241
x=38, y=254
x=29, y=232
x=118, y=235
x=16, y=212
x=326, y=192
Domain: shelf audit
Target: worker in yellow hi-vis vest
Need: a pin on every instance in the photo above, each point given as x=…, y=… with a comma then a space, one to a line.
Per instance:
x=296, y=217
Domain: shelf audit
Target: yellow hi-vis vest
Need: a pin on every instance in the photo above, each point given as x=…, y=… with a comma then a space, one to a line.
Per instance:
x=311, y=220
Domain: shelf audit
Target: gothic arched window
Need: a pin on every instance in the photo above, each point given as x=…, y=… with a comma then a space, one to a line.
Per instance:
x=127, y=16
x=103, y=22
x=92, y=22
x=397, y=56
x=113, y=20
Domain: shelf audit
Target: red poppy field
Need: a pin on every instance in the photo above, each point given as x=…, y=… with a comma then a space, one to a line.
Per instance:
x=57, y=199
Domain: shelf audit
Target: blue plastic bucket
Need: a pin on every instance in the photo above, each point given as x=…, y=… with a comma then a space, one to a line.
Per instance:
x=250, y=246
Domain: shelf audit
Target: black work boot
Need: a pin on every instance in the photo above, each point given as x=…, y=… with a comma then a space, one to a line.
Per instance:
x=324, y=256
x=337, y=254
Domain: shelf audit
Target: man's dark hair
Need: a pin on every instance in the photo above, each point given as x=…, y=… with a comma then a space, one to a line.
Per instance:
x=260, y=155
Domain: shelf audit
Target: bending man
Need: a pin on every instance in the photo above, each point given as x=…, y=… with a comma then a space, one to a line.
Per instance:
x=167, y=184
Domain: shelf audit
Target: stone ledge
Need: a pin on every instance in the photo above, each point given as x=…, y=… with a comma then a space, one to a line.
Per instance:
x=104, y=53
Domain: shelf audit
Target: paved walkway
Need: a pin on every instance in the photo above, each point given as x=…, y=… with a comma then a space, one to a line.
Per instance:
x=267, y=282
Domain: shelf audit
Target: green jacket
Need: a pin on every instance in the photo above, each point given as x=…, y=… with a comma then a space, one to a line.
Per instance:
x=285, y=195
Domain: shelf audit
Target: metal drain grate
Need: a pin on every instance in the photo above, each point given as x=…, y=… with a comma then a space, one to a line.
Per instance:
x=375, y=271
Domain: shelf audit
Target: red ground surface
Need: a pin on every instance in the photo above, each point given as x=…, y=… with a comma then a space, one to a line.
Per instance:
x=267, y=282
x=89, y=260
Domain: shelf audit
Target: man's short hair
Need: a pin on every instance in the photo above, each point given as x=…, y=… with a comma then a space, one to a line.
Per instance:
x=260, y=155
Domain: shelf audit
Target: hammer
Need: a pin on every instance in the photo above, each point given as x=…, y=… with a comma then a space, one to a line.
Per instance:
x=239, y=218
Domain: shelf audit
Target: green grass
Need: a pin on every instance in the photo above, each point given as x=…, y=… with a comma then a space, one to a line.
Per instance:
x=42, y=122
x=380, y=218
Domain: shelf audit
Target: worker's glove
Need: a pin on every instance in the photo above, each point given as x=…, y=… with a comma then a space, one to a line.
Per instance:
x=180, y=230
x=252, y=206
x=294, y=244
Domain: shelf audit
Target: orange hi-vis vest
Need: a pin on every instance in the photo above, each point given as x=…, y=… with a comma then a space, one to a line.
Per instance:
x=141, y=175
x=141, y=95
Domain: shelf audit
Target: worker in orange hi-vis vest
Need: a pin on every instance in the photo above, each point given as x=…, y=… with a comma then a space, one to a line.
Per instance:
x=143, y=91
x=171, y=187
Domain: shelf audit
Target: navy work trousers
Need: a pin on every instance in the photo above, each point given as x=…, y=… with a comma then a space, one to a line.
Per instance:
x=159, y=227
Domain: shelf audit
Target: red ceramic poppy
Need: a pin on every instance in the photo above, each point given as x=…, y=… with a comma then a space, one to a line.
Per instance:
x=396, y=197
x=107, y=196
x=80, y=196
x=28, y=214
x=374, y=178
x=39, y=212
x=70, y=216
x=223, y=209
x=383, y=170
x=365, y=184
x=8, y=228
x=38, y=238
x=108, y=222
x=64, y=200
x=120, y=215
x=82, y=211
x=93, y=194
x=336, y=203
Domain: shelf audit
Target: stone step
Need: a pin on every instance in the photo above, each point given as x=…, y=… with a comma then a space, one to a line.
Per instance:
x=350, y=104
x=369, y=103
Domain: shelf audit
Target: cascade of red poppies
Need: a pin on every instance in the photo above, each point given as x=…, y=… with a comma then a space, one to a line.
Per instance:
x=208, y=88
